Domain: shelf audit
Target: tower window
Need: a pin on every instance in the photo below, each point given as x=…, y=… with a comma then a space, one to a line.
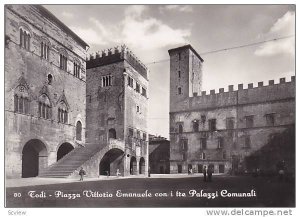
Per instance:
x=220, y=142
x=229, y=123
x=144, y=92
x=203, y=143
x=130, y=81
x=107, y=81
x=179, y=74
x=179, y=91
x=137, y=87
x=249, y=121
x=270, y=119
x=50, y=78
x=179, y=56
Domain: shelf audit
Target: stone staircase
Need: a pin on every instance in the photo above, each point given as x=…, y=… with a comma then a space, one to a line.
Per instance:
x=70, y=162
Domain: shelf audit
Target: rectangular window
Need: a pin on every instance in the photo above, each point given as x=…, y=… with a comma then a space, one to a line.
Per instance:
x=212, y=124
x=229, y=123
x=184, y=156
x=179, y=56
x=179, y=168
x=220, y=142
x=107, y=81
x=270, y=119
x=184, y=144
x=196, y=125
x=144, y=92
x=179, y=74
x=137, y=87
x=63, y=62
x=203, y=156
x=130, y=81
x=179, y=91
x=76, y=68
x=224, y=155
x=203, y=144
x=144, y=136
x=247, y=142
x=44, y=51
x=200, y=168
x=249, y=121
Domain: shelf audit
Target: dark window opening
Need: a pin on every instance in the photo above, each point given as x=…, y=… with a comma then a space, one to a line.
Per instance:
x=249, y=121
x=196, y=125
x=44, y=50
x=220, y=142
x=63, y=61
x=78, y=130
x=179, y=91
x=229, y=123
x=212, y=124
x=270, y=119
x=203, y=144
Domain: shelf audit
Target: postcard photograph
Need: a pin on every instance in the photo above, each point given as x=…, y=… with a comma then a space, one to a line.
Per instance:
x=149, y=106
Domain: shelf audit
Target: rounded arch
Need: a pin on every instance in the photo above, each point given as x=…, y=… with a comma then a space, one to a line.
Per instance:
x=112, y=162
x=78, y=130
x=142, y=166
x=34, y=158
x=112, y=134
x=63, y=150
x=133, y=166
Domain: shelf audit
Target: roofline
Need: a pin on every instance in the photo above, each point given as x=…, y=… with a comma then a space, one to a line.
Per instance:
x=185, y=47
x=53, y=18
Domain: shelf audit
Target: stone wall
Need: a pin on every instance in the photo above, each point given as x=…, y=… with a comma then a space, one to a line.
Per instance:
x=26, y=68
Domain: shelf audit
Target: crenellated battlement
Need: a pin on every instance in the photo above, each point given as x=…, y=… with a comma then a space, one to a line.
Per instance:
x=241, y=87
x=284, y=90
x=116, y=54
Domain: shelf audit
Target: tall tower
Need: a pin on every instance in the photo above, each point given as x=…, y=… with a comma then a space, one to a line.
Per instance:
x=185, y=74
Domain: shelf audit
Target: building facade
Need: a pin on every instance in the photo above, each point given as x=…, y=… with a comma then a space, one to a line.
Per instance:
x=159, y=155
x=117, y=107
x=235, y=131
x=45, y=90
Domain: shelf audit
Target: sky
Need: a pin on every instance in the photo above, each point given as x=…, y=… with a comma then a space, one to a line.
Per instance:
x=150, y=30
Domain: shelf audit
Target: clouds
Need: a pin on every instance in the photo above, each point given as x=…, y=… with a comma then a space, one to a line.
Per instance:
x=136, y=29
x=284, y=26
x=148, y=32
x=180, y=8
x=67, y=14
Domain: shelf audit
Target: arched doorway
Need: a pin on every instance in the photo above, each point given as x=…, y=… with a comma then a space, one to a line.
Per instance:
x=133, y=166
x=34, y=158
x=111, y=162
x=142, y=166
x=63, y=149
x=78, y=130
x=112, y=133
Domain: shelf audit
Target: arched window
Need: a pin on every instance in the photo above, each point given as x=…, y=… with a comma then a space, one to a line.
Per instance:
x=45, y=107
x=180, y=128
x=21, y=100
x=63, y=59
x=45, y=49
x=78, y=130
x=76, y=68
x=25, y=39
x=62, y=116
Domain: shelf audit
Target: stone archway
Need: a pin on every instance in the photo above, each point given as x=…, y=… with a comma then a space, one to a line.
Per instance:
x=133, y=166
x=112, y=161
x=142, y=166
x=64, y=149
x=34, y=158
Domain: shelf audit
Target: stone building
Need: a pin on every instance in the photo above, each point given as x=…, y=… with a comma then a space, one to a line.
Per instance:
x=117, y=97
x=45, y=90
x=238, y=130
x=159, y=155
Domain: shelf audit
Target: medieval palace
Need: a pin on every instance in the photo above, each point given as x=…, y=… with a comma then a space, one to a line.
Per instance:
x=65, y=109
